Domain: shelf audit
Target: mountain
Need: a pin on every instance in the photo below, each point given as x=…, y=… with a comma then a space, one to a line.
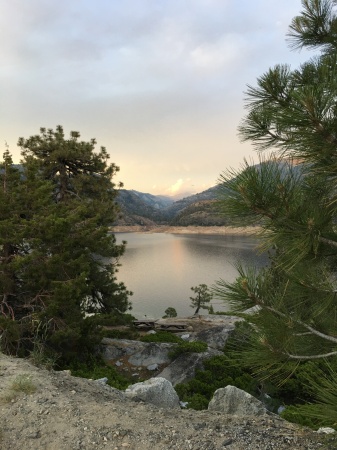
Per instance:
x=138, y=208
x=199, y=213
x=156, y=201
x=175, y=208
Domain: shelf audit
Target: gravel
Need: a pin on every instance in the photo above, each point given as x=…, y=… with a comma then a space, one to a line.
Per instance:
x=68, y=413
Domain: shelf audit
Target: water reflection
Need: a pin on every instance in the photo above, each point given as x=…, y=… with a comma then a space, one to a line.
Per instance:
x=161, y=268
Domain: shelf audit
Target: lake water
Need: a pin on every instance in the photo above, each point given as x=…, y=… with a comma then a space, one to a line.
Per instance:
x=161, y=268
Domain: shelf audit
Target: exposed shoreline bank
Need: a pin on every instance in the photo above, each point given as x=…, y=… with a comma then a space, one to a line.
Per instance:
x=185, y=230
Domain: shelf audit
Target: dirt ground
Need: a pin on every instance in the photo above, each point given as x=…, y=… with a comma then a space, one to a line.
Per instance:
x=184, y=230
x=55, y=411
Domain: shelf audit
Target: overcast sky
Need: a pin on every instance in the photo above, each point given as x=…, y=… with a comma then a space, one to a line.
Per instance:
x=159, y=83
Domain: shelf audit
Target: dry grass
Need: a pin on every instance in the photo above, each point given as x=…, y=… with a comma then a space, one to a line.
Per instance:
x=21, y=384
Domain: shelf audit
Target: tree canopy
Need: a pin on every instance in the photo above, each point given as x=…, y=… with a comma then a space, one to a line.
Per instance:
x=291, y=194
x=58, y=259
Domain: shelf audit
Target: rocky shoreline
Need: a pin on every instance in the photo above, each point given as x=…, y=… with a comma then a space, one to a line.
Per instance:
x=185, y=230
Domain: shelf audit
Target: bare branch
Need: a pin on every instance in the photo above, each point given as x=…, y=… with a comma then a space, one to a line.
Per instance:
x=306, y=358
x=328, y=241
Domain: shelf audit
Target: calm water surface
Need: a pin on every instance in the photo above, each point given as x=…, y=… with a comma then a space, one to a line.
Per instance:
x=161, y=268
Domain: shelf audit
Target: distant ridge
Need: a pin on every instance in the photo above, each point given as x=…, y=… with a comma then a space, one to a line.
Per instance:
x=138, y=208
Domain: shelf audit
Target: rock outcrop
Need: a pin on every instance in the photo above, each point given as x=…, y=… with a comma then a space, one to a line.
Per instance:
x=215, y=337
x=143, y=357
x=136, y=353
x=183, y=368
x=157, y=391
x=231, y=400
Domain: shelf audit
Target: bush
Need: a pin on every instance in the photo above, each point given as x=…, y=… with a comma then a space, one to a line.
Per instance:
x=161, y=336
x=188, y=347
x=99, y=369
x=113, y=319
x=9, y=335
x=310, y=382
x=306, y=415
x=219, y=371
x=121, y=334
x=198, y=402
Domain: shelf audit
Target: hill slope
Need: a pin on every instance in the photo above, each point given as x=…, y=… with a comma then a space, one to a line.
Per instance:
x=198, y=210
x=68, y=413
x=145, y=209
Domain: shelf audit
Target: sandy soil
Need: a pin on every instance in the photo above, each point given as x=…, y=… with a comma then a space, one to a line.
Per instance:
x=66, y=413
x=186, y=230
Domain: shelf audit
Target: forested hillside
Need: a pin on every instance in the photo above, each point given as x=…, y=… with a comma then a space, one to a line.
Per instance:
x=200, y=209
x=145, y=209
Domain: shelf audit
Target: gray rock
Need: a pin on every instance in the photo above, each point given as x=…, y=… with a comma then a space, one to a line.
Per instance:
x=157, y=391
x=231, y=400
x=216, y=319
x=183, y=368
x=326, y=430
x=152, y=367
x=185, y=337
x=253, y=310
x=216, y=336
x=137, y=353
x=102, y=380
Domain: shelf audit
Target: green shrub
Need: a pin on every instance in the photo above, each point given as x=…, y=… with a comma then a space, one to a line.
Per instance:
x=306, y=415
x=96, y=369
x=323, y=411
x=219, y=371
x=113, y=319
x=121, y=334
x=188, y=347
x=161, y=336
x=10, y=335
x=197, y=402
x=309, y=392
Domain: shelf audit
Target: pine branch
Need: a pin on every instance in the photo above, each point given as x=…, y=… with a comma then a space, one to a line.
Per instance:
x=308, y=358
x=328, y=241
x=299, y=322
x=260, y=302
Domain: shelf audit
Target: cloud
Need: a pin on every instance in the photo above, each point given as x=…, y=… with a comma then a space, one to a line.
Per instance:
x=215, y=56
x=176, y=187
x=159, y=83
x=184, y=187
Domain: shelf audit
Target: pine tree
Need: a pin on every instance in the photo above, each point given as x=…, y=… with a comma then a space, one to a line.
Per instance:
x=202, y=298
x=72, y=259
x=170, y=312
x=292, y=196
x=25, y=199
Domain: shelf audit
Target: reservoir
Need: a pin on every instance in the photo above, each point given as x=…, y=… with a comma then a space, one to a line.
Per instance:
x=161, y=268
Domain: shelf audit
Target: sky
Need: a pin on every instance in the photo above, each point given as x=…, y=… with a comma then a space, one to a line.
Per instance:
x=159, y=83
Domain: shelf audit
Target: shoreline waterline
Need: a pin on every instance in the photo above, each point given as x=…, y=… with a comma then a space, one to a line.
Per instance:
x=186, y=230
